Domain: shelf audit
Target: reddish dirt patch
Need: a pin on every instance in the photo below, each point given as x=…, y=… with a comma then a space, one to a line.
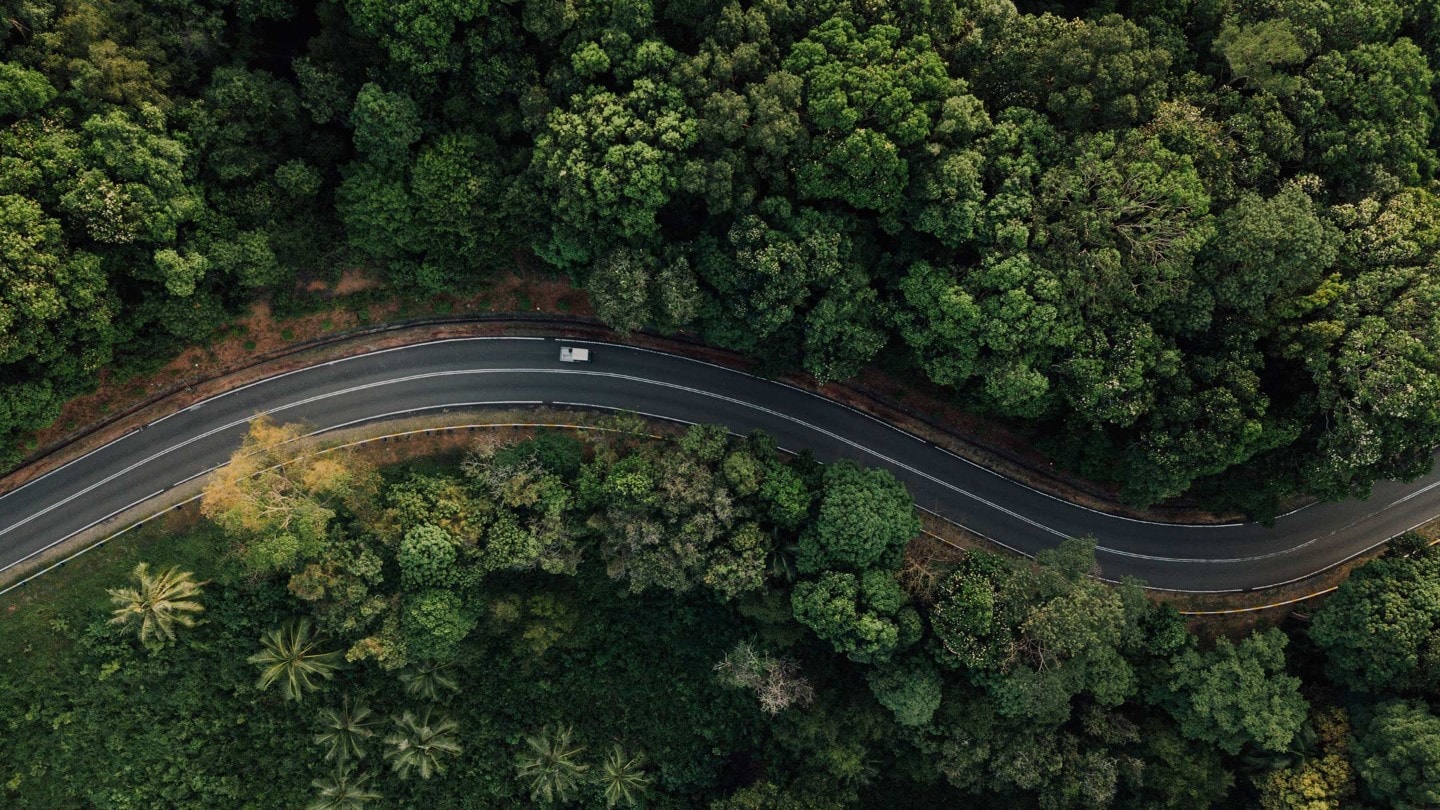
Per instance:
x=258, y=333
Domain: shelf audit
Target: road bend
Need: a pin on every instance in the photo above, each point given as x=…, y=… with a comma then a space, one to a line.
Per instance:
x=466, y=373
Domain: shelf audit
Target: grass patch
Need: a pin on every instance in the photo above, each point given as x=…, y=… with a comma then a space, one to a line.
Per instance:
x=73, y=595
x=249, y=345
x=287, y=334
x=523, y=302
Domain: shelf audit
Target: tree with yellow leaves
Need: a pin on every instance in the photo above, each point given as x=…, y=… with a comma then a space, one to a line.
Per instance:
x=280, y=495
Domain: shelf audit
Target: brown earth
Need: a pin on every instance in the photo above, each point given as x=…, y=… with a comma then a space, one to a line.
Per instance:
x=259, y=344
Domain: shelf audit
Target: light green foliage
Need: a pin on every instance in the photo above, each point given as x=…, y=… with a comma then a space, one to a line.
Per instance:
x=548, y=765
x=181, y=272
x=1397, y=755
x=343, y=789
x=298, y=179
x=133, y=188
x=435, y=622
x=623, y=778
x=1381, y=630
x=861, y=616
x=386, y=125
x=866, y=519
x=426, y=557
x=421, y=744
x=22, y=91
x=1038, y=639
x=157, y=603
x=1325, y=780
x=1237, y=695
x=46, y=294
x=344, y=731
x=291, y=655
x=1255, y=51
x=612, y=160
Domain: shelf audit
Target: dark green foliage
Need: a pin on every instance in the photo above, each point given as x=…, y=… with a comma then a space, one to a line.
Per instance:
x=493, y=591
x=1398, y=755
x=1185, y=243
x=1381, y=630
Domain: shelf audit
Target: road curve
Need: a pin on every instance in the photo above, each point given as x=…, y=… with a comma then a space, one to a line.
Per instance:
x=469, y=372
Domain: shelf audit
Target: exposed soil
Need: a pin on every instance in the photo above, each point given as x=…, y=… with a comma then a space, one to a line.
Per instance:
x=259, y=334
x=259, y=344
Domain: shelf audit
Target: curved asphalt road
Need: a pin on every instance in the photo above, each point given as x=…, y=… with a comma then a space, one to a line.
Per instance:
x=484, y=371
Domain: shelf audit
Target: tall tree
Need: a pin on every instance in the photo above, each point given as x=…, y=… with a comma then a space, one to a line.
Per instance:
x=548, y=765
x=157, y=603
x=421, y=744
x=291, y=654
x=623, y=778
x=343, y=789
x=343, y=731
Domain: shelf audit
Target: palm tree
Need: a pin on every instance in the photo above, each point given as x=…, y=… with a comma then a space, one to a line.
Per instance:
x=427, y=681
x=290, y=654
x=418, y=744
x=157, y=603
x=624, y=778
x=343, y=730
x=342, y=790
x=550, y=765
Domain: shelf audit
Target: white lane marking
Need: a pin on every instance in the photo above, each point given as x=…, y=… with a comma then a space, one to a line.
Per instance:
x=262, y=381
x=37, y=480
x=1417, y=492
x=902, y=431
x=775, y=413
x=97, y=544
x=578, y=427
x=87, y=527
x=631, y=378
x=129, y=469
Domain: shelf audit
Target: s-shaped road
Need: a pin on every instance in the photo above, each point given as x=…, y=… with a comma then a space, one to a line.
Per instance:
x=472, y=372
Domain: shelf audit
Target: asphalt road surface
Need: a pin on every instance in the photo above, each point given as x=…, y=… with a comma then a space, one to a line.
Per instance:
x=462, y=373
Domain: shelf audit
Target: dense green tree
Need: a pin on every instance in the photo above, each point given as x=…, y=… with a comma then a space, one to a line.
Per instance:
x=426, y=557
x=1373, y=114
x=1397, y=755
x=863, y=616
x=865, y=520
x=612, y=160
x=435, y=621
x=1381, y=630
x=910, y=688
x=1237, y=695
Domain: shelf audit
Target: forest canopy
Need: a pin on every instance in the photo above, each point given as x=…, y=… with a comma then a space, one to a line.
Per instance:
x=1188, y=247
x=700, y=622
